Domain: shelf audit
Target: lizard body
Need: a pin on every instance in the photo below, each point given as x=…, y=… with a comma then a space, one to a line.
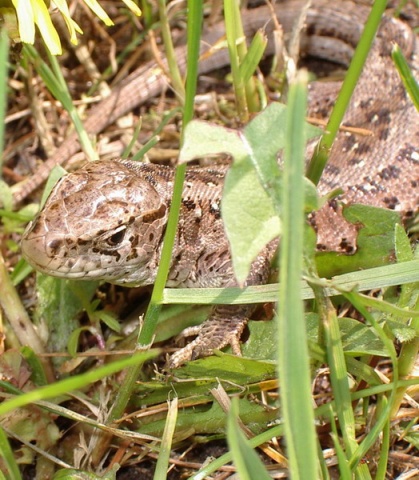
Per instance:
x=117, y=236
x=107, y=220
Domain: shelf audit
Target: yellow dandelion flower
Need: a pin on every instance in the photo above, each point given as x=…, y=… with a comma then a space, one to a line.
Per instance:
x=31, y=13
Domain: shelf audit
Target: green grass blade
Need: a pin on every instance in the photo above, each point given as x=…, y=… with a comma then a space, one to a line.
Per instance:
x=372, y=278
x=406, y=75
x=234, y=34
x=55, y=82
x=244, y=86
x=253, y=56
x=212, y=467
x=6, y=454
x=166, y=442
x=175, y=75
x=385, y=447
x=408, y=299
x=73, y=383
x=246, y=460
x=381, y=420
x=293, y=355
x=344, y=470
x=338, y=372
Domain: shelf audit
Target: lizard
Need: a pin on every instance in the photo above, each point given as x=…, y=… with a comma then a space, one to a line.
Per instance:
x=116, y=236
x=136, y=199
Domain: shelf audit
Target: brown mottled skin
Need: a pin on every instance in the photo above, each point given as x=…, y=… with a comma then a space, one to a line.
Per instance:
x=107, y=220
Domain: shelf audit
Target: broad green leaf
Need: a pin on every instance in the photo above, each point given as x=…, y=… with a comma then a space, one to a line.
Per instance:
x=403, y=332
x=229, y=367
x=250, y=203
x=402, y=243
x=375, y=242
x=208, y=418
x=205, y=139
x=262, y=342
x=59, y=304
x=249, y=216
x=357, y=338
x=264, y=138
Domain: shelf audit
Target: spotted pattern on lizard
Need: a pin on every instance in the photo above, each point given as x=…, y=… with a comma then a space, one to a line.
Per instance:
x=107, y=221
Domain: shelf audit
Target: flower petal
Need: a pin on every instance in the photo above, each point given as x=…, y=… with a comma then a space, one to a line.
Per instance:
x=71, y=24
x=98, y=10
x=133, y=7
x=46, y=27
x=25, y=16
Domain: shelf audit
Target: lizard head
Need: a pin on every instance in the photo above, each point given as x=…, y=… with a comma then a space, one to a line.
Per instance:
x=104, y=221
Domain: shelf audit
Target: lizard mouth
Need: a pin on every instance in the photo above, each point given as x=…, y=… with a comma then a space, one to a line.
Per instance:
x=52, y=262
x=34, y=252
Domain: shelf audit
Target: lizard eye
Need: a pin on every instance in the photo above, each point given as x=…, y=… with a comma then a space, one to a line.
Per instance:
x=116, y=238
